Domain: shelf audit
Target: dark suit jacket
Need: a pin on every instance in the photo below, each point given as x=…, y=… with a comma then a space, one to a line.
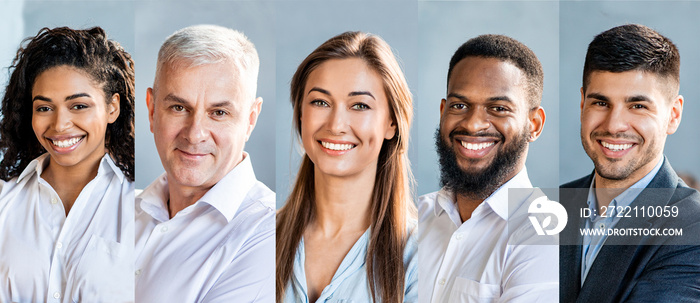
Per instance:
x=653, y=269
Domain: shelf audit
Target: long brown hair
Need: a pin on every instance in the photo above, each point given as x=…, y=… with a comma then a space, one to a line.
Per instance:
x=391, y=203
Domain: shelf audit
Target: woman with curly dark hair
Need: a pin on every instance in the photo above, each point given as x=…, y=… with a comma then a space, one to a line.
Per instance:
x=67, y=147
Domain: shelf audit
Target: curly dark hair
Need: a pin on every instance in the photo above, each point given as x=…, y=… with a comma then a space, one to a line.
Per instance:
x=105, y=61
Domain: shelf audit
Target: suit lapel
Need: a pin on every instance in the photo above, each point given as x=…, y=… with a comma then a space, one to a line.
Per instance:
x=573, y=199
x=605, y=280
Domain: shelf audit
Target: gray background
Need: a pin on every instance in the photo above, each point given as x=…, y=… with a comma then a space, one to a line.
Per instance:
x=298, y=37
x=22, y=19
x=442, y=28
x=155, y=21
x=580, y=22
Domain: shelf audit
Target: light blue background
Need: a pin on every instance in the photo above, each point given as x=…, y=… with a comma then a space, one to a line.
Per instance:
x=442, y=28
x=580, y=22
x=155, y=21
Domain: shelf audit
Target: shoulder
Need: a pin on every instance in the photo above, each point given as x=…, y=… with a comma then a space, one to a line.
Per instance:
x=426, y=204
x=257, y=212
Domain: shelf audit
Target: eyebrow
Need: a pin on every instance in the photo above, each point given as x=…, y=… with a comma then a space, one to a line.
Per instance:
x=597, y=96
x=351, y=94
x=636, y=98
x=71, y=97
x=175, y=99
x=490, y=99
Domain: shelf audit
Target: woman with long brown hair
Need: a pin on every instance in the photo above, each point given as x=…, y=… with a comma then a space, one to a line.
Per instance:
x=345, y=232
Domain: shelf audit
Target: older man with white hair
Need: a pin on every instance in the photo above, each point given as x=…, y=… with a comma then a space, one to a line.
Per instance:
x=205, y=229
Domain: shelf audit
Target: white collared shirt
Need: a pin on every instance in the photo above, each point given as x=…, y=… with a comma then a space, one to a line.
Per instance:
x=480, y=260
x=219, y=249
x=86, y=256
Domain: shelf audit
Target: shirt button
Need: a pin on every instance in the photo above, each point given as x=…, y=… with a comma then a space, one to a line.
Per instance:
x=59, y=245
x=54, y=201
x=138, y=272
x=442, y=282
x=163, y=229
x=458, y=236
x=56, y=295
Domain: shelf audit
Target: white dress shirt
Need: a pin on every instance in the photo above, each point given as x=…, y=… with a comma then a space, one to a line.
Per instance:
x=483, y=259
x=86, y=256
x=219, y=249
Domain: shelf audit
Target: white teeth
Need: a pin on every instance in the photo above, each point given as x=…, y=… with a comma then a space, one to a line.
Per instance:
x=333, y=146
x=616, y=147
x=66, y=143
x=476, y=146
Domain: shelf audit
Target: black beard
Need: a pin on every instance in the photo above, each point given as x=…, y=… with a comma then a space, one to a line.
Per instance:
x=478, y=185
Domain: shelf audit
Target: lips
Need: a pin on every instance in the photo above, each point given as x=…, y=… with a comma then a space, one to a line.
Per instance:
x=615, y=149
x=474, y=147
x=336, y=148
x=65, y=144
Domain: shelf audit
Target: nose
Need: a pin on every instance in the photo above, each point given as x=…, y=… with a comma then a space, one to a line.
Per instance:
x=476, y=120
x=196, y=129
x=615, y=121
x=63, y=120
x=337, y=122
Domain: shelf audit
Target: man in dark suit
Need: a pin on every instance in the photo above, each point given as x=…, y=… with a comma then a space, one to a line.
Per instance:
x=633, y=227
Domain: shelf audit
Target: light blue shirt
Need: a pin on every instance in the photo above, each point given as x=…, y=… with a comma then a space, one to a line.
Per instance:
x=593, y=243
x=349, y=283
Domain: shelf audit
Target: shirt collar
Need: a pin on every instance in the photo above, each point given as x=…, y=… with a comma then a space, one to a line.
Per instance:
x=627, y=196
x=37, y=166
x=228, y=194
x=225, y=196
x=498, y=200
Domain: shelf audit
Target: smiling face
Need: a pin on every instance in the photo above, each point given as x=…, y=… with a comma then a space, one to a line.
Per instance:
x=625, y=118
x=484, y=126
x=200, y=118
x=70, y=116
x=345, y=117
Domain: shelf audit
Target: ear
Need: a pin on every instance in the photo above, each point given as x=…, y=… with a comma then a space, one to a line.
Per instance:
x=442, y=107
x=390, y=130
x=582, y=98
x=255, y=110
x=113, y=108
x=536, y=119
x=676, y=114
x=150, y=102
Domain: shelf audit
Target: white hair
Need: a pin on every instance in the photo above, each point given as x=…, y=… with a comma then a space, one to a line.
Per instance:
x=212, y=44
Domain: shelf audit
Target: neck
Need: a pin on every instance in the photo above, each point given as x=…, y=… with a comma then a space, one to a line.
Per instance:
x=607, y=189
x=69, y=181
x=181, y=197
x=342, y=203
x=467, y=203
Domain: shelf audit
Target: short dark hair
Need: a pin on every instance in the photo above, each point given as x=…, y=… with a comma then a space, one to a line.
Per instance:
x=633, y=47
x=509, y=50
x=89, y=50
